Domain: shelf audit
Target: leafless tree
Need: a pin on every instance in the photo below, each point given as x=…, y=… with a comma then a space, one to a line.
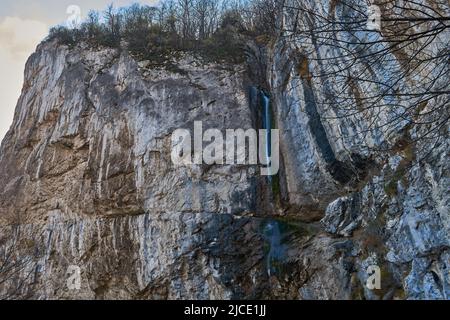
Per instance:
x=113, y=22
x=396, y=74
x=19, y=261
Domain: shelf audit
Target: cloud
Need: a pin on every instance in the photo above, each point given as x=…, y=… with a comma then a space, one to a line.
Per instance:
x=18, y=38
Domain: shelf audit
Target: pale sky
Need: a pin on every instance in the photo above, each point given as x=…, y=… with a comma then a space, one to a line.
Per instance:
x=23, y=24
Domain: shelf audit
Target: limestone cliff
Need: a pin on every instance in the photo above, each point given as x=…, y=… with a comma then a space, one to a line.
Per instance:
x=87, y=180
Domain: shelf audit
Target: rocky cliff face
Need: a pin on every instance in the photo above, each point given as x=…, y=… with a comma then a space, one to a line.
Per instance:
x=88, y=171
x=389, y=209
x=87, y=181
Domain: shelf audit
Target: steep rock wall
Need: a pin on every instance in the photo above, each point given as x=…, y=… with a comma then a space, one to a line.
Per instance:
x=86, y=173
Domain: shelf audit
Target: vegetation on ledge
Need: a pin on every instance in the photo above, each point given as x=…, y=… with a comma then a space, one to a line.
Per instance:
x=215, y=30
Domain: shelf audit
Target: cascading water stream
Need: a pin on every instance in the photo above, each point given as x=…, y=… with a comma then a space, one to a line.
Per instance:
x=267, y=125
x=273, y=236
x=271, y=228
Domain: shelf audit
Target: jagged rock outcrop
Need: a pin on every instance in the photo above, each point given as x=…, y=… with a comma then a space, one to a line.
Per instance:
x=87, y=181
x=88, y=173
x=391, y=208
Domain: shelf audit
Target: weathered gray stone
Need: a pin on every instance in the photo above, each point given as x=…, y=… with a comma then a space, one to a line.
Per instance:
x=86, y=176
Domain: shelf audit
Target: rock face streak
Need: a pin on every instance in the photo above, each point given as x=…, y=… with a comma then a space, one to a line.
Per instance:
x=87, y=182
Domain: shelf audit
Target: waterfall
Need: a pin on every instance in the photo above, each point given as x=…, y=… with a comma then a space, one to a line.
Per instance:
x=260, y=105
x=267, y=124
x=272, y=234
x=271, y=229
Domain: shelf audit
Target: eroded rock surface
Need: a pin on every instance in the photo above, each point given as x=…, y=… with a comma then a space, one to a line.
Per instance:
x=87, y=181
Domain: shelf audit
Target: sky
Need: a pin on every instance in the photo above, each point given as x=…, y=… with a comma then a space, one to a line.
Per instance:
x=23, y=24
